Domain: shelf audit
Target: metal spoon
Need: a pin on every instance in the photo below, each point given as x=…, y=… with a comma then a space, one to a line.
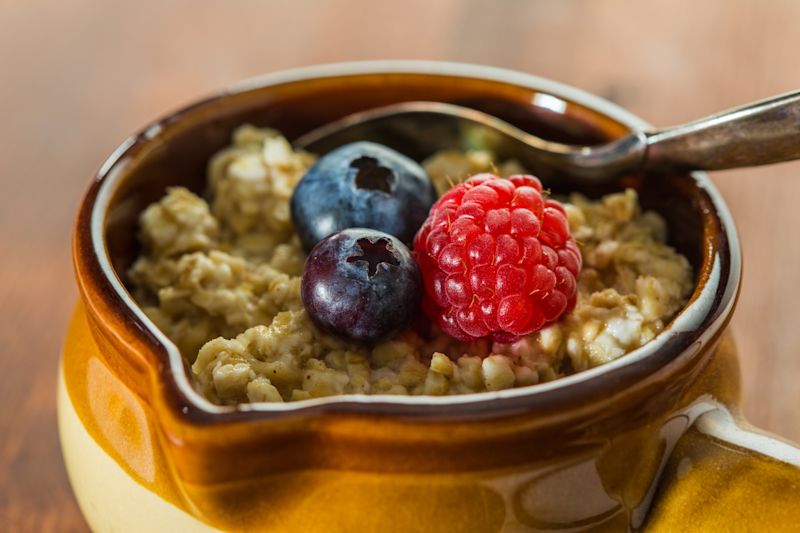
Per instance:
x=760, y=133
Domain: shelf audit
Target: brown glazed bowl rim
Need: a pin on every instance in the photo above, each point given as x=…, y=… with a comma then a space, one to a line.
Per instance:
x=699, y=322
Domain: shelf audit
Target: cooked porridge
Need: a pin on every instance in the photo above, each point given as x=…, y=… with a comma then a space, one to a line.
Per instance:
x=221, y=276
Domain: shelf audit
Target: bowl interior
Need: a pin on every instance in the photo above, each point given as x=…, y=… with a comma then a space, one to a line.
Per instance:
x=176, y=150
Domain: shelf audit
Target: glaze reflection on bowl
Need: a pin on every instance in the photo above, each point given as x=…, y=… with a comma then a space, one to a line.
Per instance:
x=586, y=451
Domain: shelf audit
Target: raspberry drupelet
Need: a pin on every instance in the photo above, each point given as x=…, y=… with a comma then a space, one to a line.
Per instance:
x=497, y=259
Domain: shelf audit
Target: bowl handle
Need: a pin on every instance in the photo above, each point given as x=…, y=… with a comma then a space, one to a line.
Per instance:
x=725, y=475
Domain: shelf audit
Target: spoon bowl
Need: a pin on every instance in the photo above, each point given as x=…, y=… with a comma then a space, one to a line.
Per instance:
x=420, y=129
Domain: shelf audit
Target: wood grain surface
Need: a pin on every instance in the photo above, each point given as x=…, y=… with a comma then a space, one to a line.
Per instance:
x=77, y=76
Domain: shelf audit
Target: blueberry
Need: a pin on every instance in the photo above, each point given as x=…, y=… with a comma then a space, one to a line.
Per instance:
x=362, y=185
x=361, y=285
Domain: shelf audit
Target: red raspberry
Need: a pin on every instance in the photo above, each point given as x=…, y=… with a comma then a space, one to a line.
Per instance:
x=497, y=259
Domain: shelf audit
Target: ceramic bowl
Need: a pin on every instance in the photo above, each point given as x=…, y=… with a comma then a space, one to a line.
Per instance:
x=651, y=440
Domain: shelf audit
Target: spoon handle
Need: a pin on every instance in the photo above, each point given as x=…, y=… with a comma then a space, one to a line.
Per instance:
x=756, y=134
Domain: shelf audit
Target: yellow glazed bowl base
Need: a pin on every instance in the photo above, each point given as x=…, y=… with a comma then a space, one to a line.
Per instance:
x=108, y=497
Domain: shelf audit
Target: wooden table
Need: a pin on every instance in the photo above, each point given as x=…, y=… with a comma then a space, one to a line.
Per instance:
x=78, y=76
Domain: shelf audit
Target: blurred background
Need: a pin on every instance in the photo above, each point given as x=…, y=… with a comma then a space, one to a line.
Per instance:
x=77, y=76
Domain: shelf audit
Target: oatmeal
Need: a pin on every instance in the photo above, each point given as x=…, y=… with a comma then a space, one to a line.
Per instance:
x=221, y=274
